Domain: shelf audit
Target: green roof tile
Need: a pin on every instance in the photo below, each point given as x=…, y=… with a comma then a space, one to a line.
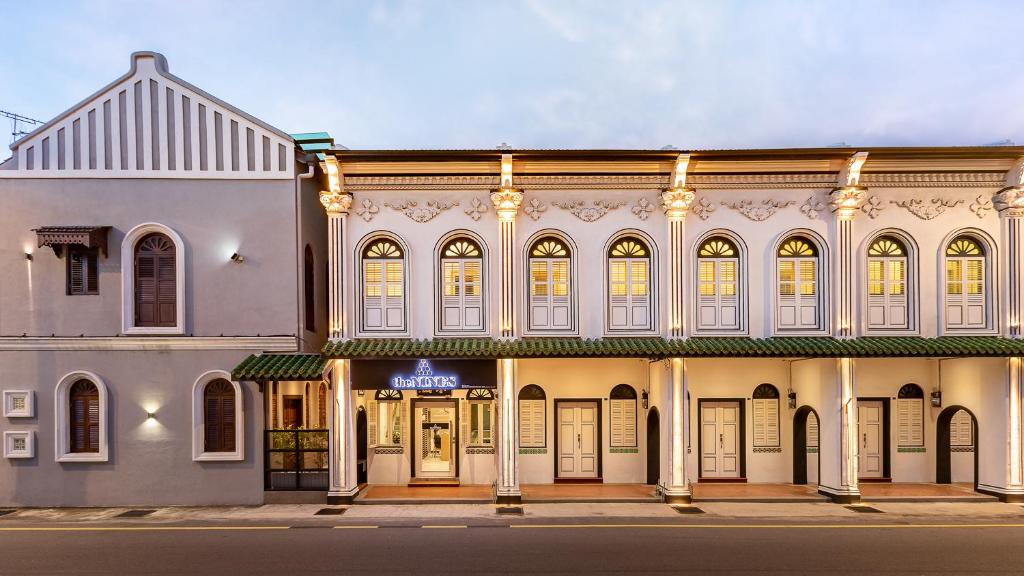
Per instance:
x=280, y=367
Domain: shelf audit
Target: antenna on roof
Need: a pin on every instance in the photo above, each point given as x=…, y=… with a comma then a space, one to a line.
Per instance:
x=15, y=118
x=1004, y=142
x=838, y=145
x=503, y=146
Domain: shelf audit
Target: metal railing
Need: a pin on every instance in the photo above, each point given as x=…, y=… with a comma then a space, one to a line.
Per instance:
x=296, y=460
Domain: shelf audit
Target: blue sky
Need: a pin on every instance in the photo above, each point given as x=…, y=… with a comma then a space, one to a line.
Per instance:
x=534, y=73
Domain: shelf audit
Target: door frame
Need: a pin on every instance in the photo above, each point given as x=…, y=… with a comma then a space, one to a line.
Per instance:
x=943, y=453
x=653, y=448
x=800, y=444
x=600, y=443
x=414, y=439
x=741, y=402
x=886, y=438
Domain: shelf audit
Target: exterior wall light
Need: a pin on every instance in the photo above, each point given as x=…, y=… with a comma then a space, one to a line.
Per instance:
x=150, y=415
x=237, y=258
x=937, y=398
x=28, y=256
x=643, y=399
x=791, y=398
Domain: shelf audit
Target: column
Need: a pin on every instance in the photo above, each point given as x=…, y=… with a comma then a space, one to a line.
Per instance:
x=676, y=487
x=342, y=439
x=1010, y=203
x=676, y=203
x=337, y=204
x=506, y=200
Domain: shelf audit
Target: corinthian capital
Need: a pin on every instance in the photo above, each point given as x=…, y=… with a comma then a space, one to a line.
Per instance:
x=335, y=202
x=847, y=200
x=676, y=202
x=506, y=202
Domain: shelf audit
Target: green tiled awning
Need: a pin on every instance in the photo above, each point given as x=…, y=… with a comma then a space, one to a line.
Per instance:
x=702, y=347
x=280, y=367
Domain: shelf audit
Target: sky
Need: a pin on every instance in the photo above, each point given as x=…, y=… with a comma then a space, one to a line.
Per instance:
x=552, y=74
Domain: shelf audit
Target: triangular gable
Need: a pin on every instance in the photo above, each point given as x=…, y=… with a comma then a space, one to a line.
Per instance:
x=149, y=123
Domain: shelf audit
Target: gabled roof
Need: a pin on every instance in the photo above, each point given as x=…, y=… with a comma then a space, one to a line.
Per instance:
x=150, y=123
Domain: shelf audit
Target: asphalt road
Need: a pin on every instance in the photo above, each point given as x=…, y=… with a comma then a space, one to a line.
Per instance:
x=684, y=547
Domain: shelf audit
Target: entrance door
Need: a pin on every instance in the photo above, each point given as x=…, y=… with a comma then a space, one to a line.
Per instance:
x=435, y=440
x=720, y=439
x=870, y=432
x=292, y=406
x=578, y=445
x=653, y=447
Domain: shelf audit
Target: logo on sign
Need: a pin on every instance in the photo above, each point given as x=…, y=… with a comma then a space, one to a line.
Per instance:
x=424, y=379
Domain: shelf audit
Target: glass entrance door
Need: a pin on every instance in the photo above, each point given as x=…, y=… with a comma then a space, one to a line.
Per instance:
x=436, y=440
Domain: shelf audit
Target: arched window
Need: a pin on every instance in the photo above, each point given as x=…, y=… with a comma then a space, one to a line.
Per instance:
x=622, y=405
x=888, y=304
x=462, y=299
x=532, y=417
x=84, y=400
x=718, y=299
x=80, y=409
x=219, y=414
x=629, y=285
x=481, y=417
x=967, y=302
x=910, y=415
x=309, y=288
x=551, y=286
x=156, y=292
x=766, y=416
x=383, y=287
x=321, y=404
x=384, y=422
x=799, y=286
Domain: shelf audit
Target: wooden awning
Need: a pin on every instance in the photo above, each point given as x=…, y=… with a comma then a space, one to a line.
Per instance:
x=57, y=237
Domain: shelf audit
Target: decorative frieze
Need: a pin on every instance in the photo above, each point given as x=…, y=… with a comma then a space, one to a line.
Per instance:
x=642, y=208
x=388, y=450
x=703, y=208
x=926, y=210
x=774, y=181
x=872, y=207
x=446, y=182
x=367, y=209
x=593, y=182
x=759, y=212
x=535, y=209
x=480, y=450
x=933, y=179
x=981, y=206
x=767, y=450
x=476, y=208
x=589, y=212
x=812, y=207
x=425, y=213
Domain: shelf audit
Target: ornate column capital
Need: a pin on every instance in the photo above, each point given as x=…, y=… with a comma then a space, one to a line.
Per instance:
x=1009, y=202
x=676, y=202
x=846, y=201
x=506, y=202
x=335, y=202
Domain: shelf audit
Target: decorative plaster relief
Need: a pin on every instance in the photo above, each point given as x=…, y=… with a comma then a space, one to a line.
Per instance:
x=426, y=213
x=367, y=209
x=872, y=206
x=535, y=208
x=923, y=210
x=812, y=207
x=981, y=205
x=476, y=209
x=758, y=212
x=591, y=213
x=703, y=208
x=642, y=208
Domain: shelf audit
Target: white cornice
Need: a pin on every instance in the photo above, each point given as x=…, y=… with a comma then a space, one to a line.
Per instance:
x=150, y=343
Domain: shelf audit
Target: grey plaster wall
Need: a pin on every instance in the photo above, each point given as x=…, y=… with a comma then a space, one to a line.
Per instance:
x=150, y=462
x=215, y=218
x=313, y=231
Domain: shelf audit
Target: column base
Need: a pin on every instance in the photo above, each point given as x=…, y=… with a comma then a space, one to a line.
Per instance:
x=507, y=499
x=676, y=496
x=1008, y=495
x=342, y=496
x=839, y=496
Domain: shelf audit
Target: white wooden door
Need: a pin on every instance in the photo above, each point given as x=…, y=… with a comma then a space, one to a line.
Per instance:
x=720, y=439
x=578, y=445
x=870, y=430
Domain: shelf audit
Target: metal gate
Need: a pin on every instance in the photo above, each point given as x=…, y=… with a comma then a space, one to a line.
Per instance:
x=296, y=460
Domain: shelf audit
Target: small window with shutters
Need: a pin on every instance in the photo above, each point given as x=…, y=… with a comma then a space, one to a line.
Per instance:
x=532, y=417
x=155, y=282
x=481, y=417
x=766, y=416
x=622, y=405
x=812, y=431
x=961, y=430
x=84, y=399
x=219, y=422
x=910, y=416
x=82, y=271
x=384, y=418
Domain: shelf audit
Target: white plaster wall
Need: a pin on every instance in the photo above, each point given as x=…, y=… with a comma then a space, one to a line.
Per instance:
x=592, y=378
x=981, y=386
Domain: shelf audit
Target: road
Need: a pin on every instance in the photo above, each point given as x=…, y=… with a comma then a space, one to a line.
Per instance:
x=518, y=546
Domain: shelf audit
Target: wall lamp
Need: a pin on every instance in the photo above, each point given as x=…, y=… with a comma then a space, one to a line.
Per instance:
x=792, y=398
x=28, y=256
x=237, y=258
x=643, y=399
x=937, y=398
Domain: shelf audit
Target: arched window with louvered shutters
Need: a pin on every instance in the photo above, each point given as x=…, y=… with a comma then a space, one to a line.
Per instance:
x=84, y=411
x=532, y=417
x=718, y=285
x=629, y=285
x=888, y=303
x=309, y=288
x=910, y=416
x=462, y=298
x=383, y=287
x=219, y=417
x=765, y=402
x=622, y=408
x=155, y=282
x=551, y=286
x=966, y=285
x=799, y=305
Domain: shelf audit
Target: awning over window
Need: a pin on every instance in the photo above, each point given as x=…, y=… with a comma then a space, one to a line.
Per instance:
x=263, y=367
x=57, y=237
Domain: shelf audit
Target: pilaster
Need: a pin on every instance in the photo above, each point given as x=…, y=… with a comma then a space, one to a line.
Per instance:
x=342, y=437
x=336, y=203
x=676, y=203
x=676, y=487
x=507, y=487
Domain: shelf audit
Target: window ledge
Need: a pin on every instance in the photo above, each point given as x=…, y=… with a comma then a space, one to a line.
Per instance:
x=82, y=457
x=156, y=331
x=219, y=457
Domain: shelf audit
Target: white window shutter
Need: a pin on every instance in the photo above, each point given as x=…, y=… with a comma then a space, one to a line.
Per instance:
x=371, y=422
x=903, y=421
x=771, y=412
x=812, y=431
x=464, y=418
x=760, y=425
x=616, y=422
x=402, y=423
x=629, y=423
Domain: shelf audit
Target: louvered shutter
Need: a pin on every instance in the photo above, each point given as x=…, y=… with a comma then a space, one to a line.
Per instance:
x=629, y=422
x=166, y=290
x=540, y=294
x=472, y=294
x=807, y=293
x=213, y=424
x=371, y=422
x=93, y=429
x=402, y=439
x=394, y=313
x=79, y=424
x=531, y=423
x=909, y=422
x=76, y=273
x=618, y=293
x=771, y=423
x=464, y=418
x=145, y=291
x=961, y=429
x=812, y=431
x=617, y=410
x=228, y=423
x=92, y=279
x=760, y=422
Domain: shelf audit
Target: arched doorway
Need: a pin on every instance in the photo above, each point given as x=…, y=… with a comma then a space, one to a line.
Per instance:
x=653, y=446
x=361, y=463
x=956, y=433
x=805, y=445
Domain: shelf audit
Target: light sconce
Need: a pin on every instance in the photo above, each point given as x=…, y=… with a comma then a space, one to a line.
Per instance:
x=791, y=399
x=937, y=398
x=150, y=415
x=237, y=258
x=28, y=256
x=643, y=399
